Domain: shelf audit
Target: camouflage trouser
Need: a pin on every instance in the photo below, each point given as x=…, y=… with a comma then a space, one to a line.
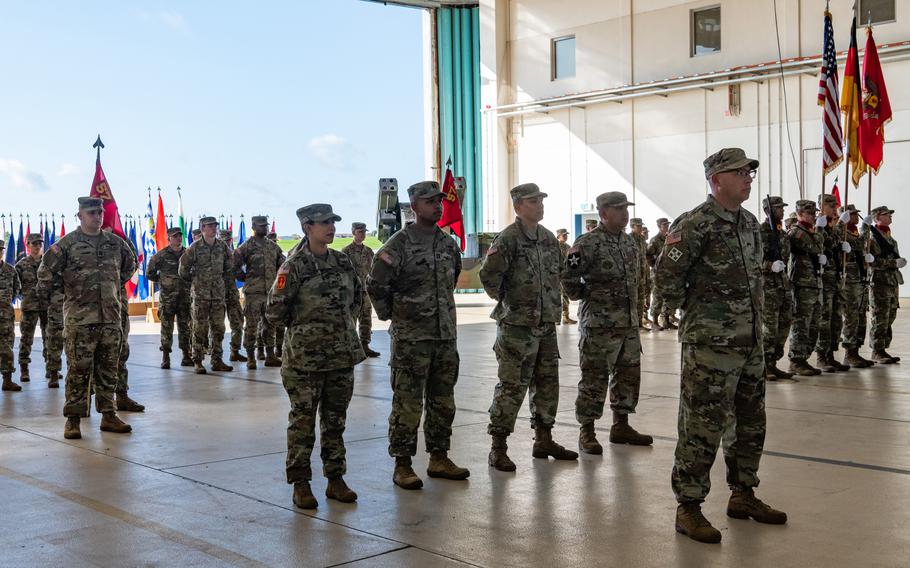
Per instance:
x=92, y=352
x=27, y=325
x=884, y=310
x=804, y=330
x=722, y=396
x=855, y=299
x=424, y=374
x=328, y=393
x=565, y=304
x=235, y=317
x=365, y=320
x=831, y=317
x=7, y=337
x=53, y=342
x=609, y=357
x=279, y=335
x=658, y=306
x=208, y=314
x=167, y=313
x=123, y=375
x=254, y=315
x=777, y=315
x=528, y=363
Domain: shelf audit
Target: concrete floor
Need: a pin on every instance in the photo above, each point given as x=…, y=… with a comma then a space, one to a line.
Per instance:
x=200, y=481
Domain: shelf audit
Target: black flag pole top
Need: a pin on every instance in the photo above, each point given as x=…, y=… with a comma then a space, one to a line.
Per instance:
x=98, y=144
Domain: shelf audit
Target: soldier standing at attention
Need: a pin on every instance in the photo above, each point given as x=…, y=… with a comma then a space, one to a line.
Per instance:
x=855, y=293
x=9, y=289
x=831, y=320
x=807, y=260
x=778, y=310
x=124, y=402
x=51, y=293
x=660, y=315
x=711, y=268
x=174, y=298
x=522, y=272
x=207, y=263
x=34, y=307
x=562, y=235
x=279, y=328
x=412, y=283
x=317, y=294
x=638, y=235
x=91, y=266
x=256, y=264
x=886, y=281
x=361, y=257
x=234, y=310
x=602, y=270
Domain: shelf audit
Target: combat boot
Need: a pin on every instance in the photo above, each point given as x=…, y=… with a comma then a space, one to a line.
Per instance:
x=53, y=380
x=303, y=496
x=127, y=404
x=260, y=353
x=165, y=359
x=498, y=458
x=219, y=365
x=270, y=359
x=338, y=490
x=236, y=356
x=544, y=446
x=567, y=320
x=404, y=475
x=187, y=360
x=278, y=349
x=825, y=364
x=744, y=504
x=71, y=431
x=854, y=359
x=691, y=522
x=199, y=367
x=837, y=365
x=251, y=363
x=369, y=352
x=802, y=368
x=778, y=372
x=441, y=466
x=622, y=433
x=8, y=384
x=23, y=374
x=110, y=422
x=879, y=356
x=587, y=440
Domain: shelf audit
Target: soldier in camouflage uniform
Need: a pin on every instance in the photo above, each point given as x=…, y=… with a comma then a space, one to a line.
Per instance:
x=590, y=225
x=562, y=235
x=51, y=293
x=522, y=272
x=256, y=264
x=91, y=266
x=207, y=263
x=362, y=258
x=807, y=260
x=831, y=319
x=855, y=292
x=603, y=270
x=279, y=328
x=711, y=268
x=660, y=314
x=638, y=235
x=886, y=281
x=34, y=306
x=233, y=309
x=777, y=314
x=9, y=289
x=790, y=221
x=174, y=298
x=317, y=295
x=124, y=402
x=412, y=283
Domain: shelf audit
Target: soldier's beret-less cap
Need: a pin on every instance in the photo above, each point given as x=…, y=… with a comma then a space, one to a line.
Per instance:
x=727, y=160
x=591, y=223
x=196, y=232
x=851, y=209
x=562, y=232
x=663, y=221
x=358, y=226
x=260, y=220
x=316, y=213
x=424, y=190
x=34, y=238
x=91, y=204
x=827, y=199
x=635, y=221
x=526, y=191
x=776, y=201
x=172, y=231
x=612, y=199
x=207, y=221
x=806, y=206
x=881, y=209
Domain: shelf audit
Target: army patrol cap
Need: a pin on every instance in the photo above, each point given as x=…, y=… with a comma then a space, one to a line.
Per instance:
x=317, y=213
x=851, y=209
x=727, y=160
x=174, y=231
x=561, y=232
x=34, y=238
x=207, y=221
x=775, y=202
x=591, y=223
x=91, y=204
x=827, y=199
x=424, y=190
x=525, y=191
x=197, y=233
x=806, y=206
x=881, y=210
x=663, y=221
x=260, y=220
x=226, y=234
x=636, y=222
x=612, y=199
x=358, y=226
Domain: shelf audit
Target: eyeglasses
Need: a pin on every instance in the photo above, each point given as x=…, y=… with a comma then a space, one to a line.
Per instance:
x=744, y=172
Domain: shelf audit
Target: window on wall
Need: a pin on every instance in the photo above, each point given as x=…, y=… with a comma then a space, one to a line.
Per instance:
x=882, y=11
x=705, y=31
x=562, y=57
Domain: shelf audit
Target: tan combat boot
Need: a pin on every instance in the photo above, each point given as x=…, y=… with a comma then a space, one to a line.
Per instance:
x=824, y=363
x=219, y=365
x=23, y=374
x=442, y=467
x=53, y=379
x=883, y=357
x=622, y=433
x=270, y=359
x=854, y=359
x=744, y=504
x=691, y=522
x=404, y=475
x=127, y=404
x=303, y=496
x=237, y=356
x=110, y=422
x=260, y=353
x=587, y=440
x=778, y=372
x=165, y=359
x=499, y=458
x=338, y=490
x=368, y=351
x=251, y=363
x=199, y=367
x=187, y=360
x=71, y=431
x=803, y=368
x=8, y=384
x=545, y=447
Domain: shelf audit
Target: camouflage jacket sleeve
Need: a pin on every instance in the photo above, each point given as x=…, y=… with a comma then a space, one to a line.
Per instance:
x=386, y=265
x=187, y=264
x=495, y=267
x=151, y=269
x=128, y=263
x=357, y=301
x=239, y=263
x=227, y=269
x=653, y=250
x=50, y=276
x=280, y=308
x=672, y=268
x=575, y=267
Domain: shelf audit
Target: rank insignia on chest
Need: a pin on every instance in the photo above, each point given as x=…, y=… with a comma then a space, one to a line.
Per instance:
x=674, y=254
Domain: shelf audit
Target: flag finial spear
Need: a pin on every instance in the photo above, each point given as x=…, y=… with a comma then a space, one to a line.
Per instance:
x=98, y=144
x=449, y=161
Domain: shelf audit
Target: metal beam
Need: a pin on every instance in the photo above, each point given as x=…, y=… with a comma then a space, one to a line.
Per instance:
x=426, y=3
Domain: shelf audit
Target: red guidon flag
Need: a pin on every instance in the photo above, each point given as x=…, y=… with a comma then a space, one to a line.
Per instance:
x=102, y=190
x=876, y=108
x=451, y=208
x=160, y=226
x=836, y=192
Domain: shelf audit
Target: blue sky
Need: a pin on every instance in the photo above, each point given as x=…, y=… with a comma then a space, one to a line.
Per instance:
x=254, y=108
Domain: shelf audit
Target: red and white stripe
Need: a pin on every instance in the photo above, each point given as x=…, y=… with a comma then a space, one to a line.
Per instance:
x=828, y=87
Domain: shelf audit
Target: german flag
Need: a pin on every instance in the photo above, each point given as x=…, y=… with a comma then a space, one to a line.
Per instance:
x=850, y=100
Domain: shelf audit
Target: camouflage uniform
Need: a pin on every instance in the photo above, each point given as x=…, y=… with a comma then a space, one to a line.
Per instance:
x=256, y=264
x=831, y=316
x=232, y=308
x=34, y=306
x=855, y=292
x=641, y=245
x=805, y=275
x=563, y=252
x=174, y=298
x=51, y=292
x=122, y=372
x=9, y=289
x=317, y=298
x=92, y=271
x=777, y=314
x=711, y=268
x=361, y=257
x=658, y=308
x=886, y=281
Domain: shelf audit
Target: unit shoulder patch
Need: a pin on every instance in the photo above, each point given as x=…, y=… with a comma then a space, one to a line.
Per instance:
x=674, y=254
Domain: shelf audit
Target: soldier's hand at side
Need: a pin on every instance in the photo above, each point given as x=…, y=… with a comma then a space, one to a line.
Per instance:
x=869, y=258
x=821, y=222
x=868, y=220
x=845, y=217
x=822, y=259
x=901, y=262
x=778, y=266
x=845, y=246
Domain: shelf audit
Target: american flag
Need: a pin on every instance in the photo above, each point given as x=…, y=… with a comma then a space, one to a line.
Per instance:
x=832, y=153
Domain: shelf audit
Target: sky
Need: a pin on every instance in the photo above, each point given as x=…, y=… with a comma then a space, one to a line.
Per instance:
x=251, y=108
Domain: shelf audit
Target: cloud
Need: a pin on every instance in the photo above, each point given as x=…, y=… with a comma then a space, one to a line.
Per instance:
x=17, y=174
x=332, y=151
x=168, y=18
x=68, y=170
